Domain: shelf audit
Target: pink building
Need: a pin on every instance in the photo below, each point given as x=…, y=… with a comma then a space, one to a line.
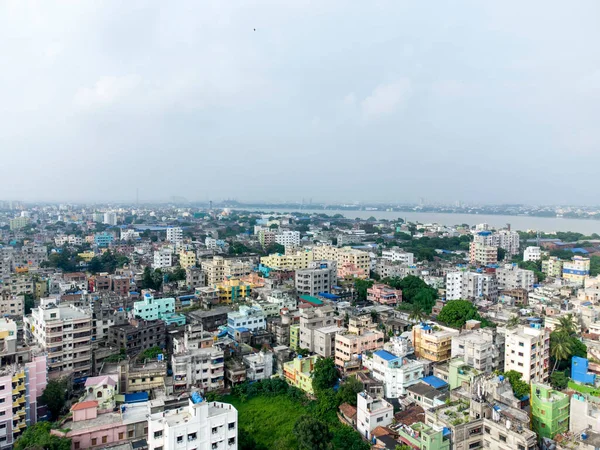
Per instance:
x=350, y=270
x=382, y=293
x=350, y=345
x=20, y=387
x=90, y=428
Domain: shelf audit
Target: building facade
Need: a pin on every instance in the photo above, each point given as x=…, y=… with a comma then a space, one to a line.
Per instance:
x=527, y=350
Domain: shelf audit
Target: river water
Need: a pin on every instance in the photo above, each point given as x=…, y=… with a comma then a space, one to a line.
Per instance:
x=522, y=223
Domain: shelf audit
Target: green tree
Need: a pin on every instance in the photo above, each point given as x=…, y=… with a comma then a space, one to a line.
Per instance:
x=29, y=303
x=361, y=287
x=312, y=434
x=55, y=396
x=417, y=314
x=520, y=387
x=565, y=325
x=414, y=291
x=348, y=391
x=456, y=313
x=325, y=375
x=501, y=254
x=178, y=274
x=561, y=347
x=38, y=437
x=345, y=438
x=559, y=380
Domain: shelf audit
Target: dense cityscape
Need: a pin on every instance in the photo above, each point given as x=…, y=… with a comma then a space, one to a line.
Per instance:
x=164, y=327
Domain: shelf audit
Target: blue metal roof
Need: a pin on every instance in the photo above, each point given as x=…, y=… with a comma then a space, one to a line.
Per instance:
x=328, y=295
x=434, y=382
x=385, y=355
x=136, y=397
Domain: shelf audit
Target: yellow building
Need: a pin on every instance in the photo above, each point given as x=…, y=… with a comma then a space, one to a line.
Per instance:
x=232, y=289
x=345, y=256
x=86, y=256
x=576, y=270
x=40, y=288
x=18, y=222
x=292, y=260
x=298, y=372
x=187, y=259
x=433, y=342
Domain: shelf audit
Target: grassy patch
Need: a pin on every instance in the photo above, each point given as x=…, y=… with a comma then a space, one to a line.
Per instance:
x=584, y=389
x=270, y=420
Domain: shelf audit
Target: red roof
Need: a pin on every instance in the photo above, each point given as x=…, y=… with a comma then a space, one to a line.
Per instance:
x=84, y=405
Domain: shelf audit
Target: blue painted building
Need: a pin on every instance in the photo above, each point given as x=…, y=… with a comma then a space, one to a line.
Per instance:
x=579, y=371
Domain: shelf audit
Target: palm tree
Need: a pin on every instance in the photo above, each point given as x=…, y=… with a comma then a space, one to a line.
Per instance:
x=513, y=322
x=560, y=348
x=417, y=314
x=566, y=325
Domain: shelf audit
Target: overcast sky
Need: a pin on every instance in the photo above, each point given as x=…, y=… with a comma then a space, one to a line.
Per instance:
x=330, y=100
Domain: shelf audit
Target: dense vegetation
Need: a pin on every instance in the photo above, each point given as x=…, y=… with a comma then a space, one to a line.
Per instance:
x=456, y=313
x=38, y=437
x=414, y=291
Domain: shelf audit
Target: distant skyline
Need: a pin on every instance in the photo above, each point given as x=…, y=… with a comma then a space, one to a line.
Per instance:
x=382, y=101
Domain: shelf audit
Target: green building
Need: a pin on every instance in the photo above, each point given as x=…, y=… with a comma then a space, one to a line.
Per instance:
x=460, y=374
x=549, y=411
x=294, y=337
x=421, y=436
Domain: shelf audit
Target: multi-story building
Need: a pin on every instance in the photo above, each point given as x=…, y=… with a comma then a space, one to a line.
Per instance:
x=420, y=435
x=110, y=218
x=324, y=340
x=175, y=235
x=371, y=413
x=512, y=277
x=344, y=256
x=532, y=254
x=203, y=368
x=288, y=239
x=11, y=305
x=549, y=411
x=195, y=277
x=18, y=222
x=104, y=239
x=291, y=260
x=396, y=255
x=20, y=387
x=312, y=319
x=138, y=335
x=433, y=342
x=187, y=259
x=201, y=426
x=218, y=268
x=150, y=308
x=232, y=289
x=508, y=240
x=480, y=349
x=298, y=372
x=146, y=376
x=266, y=237
x=65, y=333
x=259, y=366
x=120, y=284
x=251, y=318
x=576, y=270
x=552, y=267
x=383, y=294
x=320, y=276
x=162, y=259
x=483, y=250
x=527, y=350
x=584, y=413
x=349, y=345
x=396, y=372
x=471, y=286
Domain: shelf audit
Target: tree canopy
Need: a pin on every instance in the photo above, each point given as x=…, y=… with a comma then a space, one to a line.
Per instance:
x=414, y=291
x=520, y=387
x=38, y=436
x=456, y=313
x=361, y=287
x=54, y=396
x=325, y=375
x=312, y=434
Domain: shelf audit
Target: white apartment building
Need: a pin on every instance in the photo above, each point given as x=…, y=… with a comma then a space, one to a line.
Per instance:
x=110, y=218
x=175, y=235
x=64, y=332
x=288, y=238
x=250, y=317
x=162, y=259
x=396, y=372
x=11, y=305
x=396, y=255
x=527, y=350
x=512, y=277
x=320, y=276
x=532, y=254
x=509, y=241
x=129, y=235
x=203, y=368
x=259, y=366
x=483, y=255
x=371, y=413
x=471, y=285
x=201, y=425
x=479, y=349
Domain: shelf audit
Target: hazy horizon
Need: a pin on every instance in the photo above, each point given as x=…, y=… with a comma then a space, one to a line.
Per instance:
x=383, y=101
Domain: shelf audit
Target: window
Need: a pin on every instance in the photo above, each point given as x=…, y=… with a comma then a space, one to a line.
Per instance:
x=94, y=441
x=192, y=437
x=158, y=434
x=502, y=437
x=380, y=419
x=521, y=447
x=121, y=436
x=76, y=445
x=130, y=434
x=104, y=439
x=99, y=394
x=231, y=441
x=231, y=425
x=214, y=430
x=475, y=444
x=179, y=439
